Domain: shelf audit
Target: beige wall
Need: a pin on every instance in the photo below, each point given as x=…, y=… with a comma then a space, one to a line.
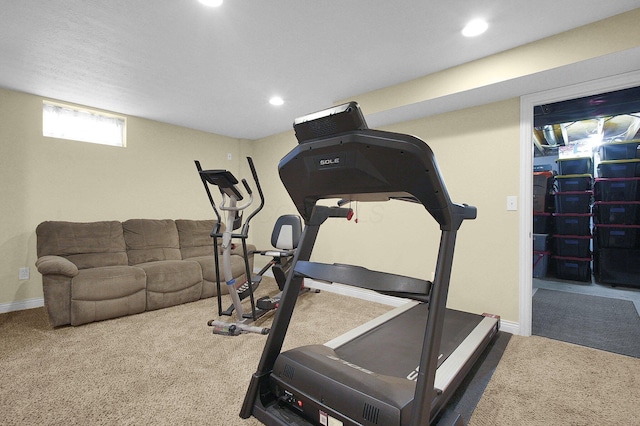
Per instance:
x=477, y=150
x=53, y=179
x=478, y=153
x=611, y=35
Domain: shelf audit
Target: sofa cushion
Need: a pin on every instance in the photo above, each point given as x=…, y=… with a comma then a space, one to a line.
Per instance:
x=149, y=240
x=109, y=282
x=87, y=245
x=172, y=282
x=207, y=263
x=108, y=292
x=195, y=237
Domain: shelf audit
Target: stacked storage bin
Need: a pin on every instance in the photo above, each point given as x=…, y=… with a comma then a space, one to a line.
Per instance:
x=617, y=215
x=572, y=219
x=541, y=255
x=542, y=224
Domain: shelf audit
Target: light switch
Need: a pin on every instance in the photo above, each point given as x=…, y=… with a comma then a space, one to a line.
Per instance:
x=512, y=202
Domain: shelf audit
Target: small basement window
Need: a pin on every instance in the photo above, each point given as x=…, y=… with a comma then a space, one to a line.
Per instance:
x=82, y=124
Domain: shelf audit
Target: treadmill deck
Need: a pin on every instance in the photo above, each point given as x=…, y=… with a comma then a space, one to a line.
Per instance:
x=394, y=348
x=374, y=370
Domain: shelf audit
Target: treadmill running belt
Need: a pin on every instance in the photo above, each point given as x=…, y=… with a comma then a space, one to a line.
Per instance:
x=394, y=348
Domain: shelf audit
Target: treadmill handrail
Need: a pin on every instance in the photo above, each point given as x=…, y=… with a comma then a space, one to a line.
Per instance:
x=359, y=276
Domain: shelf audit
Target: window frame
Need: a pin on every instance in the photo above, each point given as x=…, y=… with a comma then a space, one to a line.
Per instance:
x=85, y=116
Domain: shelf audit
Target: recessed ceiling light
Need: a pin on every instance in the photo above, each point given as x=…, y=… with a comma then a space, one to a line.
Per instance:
x=211, y=3
x=276, y=100
x=475, y=27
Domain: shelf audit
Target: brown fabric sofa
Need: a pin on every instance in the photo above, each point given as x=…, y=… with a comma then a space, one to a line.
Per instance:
x=101, y=270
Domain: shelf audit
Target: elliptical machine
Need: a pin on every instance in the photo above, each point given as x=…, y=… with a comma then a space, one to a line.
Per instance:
x=231, y=196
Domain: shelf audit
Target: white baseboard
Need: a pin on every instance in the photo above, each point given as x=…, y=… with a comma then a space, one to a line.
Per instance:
x=511, y=327
x=360, y=293
x=506, y=326
x=21, y=305
x=347, y=290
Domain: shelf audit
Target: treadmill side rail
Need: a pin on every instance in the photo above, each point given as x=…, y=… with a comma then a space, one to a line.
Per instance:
x=351, y=334
x=466, y=351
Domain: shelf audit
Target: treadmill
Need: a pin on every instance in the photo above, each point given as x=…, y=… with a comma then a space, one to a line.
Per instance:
x=402, y=367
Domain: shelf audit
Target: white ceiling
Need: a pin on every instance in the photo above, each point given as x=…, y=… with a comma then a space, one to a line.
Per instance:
x=214, y=69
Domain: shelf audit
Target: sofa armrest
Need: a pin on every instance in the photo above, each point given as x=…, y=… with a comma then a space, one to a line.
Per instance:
x=56, y=265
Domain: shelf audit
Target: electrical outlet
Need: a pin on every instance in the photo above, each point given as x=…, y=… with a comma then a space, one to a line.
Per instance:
x=229, y=156
x=23, y=274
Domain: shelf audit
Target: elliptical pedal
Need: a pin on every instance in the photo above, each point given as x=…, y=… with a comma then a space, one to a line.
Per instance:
x=243, y=292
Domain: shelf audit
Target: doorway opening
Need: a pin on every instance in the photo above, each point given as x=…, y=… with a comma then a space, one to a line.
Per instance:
x=527, y=128
x=586, y=221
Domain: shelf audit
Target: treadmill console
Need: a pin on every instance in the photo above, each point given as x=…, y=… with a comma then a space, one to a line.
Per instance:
x=342, y=118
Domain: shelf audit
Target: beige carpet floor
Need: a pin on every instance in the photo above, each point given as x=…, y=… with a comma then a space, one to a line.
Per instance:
x=161, y=367
x=540, y=381
x=166, y=368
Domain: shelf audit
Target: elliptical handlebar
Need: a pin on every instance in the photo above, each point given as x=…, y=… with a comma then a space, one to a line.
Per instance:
x=216, y=229
x=235, y=208
x=245, y=227
x=246, y=186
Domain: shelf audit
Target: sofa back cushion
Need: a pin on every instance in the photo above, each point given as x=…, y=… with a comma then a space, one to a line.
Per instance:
x=150, y=240
x=87, y=245
x=195, y=237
